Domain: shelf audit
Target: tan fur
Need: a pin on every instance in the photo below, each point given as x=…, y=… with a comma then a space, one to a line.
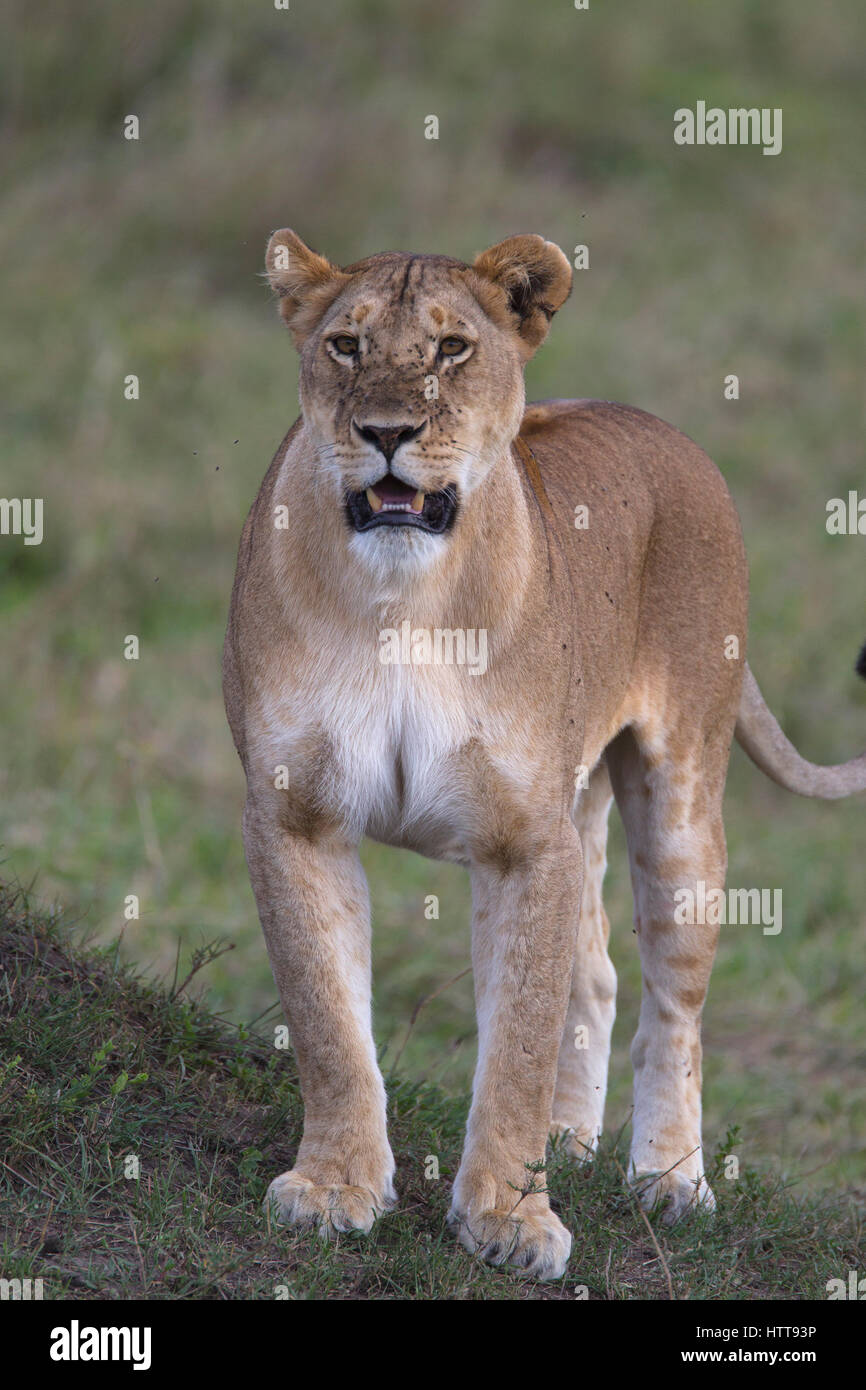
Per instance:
x=606, y=656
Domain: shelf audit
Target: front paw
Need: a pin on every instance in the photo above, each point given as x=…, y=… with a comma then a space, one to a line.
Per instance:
x=532, y=1241
x=510, y=1223
x=295, y=1200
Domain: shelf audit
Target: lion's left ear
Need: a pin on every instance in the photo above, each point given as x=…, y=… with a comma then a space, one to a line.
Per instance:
x=535, y=278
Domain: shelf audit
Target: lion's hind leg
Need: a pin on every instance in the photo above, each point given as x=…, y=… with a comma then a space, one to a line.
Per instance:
x=670, y=798
x=581, y=1078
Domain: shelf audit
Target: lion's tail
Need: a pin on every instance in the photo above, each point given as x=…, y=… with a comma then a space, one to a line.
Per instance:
x=759, y=734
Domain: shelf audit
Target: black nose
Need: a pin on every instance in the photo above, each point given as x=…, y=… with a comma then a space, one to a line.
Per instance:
x=388, y=438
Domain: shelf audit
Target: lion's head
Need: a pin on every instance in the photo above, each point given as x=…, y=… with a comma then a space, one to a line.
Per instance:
x=411, y=380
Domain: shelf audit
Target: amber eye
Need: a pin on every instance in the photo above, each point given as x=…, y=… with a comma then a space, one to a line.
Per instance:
x=345, y=344
x=452, y=346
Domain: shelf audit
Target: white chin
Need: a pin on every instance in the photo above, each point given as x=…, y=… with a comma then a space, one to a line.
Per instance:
x=392, y=551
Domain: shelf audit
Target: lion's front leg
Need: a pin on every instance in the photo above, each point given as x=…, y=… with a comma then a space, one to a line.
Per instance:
x=313, y=903
x=523, y=940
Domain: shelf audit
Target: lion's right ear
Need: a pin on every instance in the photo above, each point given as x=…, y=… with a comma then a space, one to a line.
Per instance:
x=306, y=282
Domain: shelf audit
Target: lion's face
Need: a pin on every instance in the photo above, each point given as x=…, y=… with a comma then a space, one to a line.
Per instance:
x=411, y=381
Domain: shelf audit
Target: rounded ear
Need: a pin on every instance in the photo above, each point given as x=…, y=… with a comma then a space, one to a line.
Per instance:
x=306, y=282
x=535, y=278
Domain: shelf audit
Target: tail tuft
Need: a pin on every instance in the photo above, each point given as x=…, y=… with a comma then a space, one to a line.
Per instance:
x=860, y=667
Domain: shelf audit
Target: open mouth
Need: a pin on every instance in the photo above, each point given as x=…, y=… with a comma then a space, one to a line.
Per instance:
x=391, y=502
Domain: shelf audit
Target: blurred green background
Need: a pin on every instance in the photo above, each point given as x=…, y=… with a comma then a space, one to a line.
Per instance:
x=144, y=257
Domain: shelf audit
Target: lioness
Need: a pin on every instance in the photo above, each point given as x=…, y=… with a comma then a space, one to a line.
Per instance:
x=417, y=489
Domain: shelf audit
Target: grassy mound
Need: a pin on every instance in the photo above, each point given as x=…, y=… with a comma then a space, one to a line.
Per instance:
x=103, y=1075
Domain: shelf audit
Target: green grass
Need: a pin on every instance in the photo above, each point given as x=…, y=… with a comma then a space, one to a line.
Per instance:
x=98, y=1067
x=119, y=777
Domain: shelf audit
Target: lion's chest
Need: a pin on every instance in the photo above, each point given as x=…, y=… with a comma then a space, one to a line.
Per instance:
x=376, y=750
